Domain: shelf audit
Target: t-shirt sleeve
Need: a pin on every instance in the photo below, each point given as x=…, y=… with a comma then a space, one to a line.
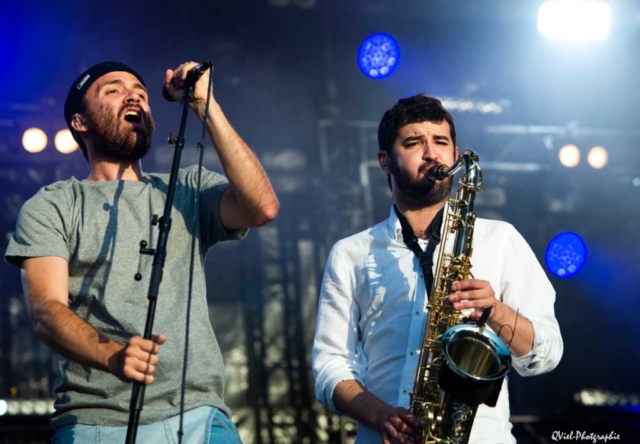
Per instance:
x=212, y=187
x=42, y=228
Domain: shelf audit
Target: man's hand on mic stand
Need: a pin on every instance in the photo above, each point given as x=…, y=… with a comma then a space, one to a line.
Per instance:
x=249, y=201
x=174, y=82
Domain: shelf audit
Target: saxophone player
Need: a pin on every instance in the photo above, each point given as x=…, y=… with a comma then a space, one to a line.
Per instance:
x=372, y=306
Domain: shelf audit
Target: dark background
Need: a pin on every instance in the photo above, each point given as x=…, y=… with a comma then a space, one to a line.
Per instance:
x=288, y=80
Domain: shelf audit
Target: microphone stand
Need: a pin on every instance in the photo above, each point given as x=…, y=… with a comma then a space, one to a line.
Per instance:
x=137, y=395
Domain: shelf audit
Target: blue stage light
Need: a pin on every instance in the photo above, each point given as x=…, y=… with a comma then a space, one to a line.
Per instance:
x=565, y=255
x=378, y=56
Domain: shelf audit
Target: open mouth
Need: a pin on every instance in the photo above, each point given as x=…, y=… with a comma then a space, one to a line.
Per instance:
x=133, y=116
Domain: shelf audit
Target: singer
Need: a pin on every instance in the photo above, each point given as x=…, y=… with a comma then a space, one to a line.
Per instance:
x=77, y=243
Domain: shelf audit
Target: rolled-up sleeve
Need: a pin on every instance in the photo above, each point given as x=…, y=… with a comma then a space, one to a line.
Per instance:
x=527, y=289
x=337, y=350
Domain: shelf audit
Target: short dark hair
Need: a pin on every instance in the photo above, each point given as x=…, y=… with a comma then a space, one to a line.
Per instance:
x=418, y=108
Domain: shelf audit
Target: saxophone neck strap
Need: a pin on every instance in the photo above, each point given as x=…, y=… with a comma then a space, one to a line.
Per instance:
x=411, y=241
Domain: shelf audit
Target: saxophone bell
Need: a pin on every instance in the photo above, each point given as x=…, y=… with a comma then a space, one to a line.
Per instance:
x=477, y=361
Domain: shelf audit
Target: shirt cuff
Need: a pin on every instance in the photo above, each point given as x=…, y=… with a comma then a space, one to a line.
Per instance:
x=530, y=363
x=330, y=384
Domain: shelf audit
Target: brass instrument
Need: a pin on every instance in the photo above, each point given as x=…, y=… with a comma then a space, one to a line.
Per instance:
x=461, y=364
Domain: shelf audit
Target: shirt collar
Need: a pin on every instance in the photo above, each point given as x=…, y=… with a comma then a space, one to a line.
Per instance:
x=393, y=226
x=394, y=229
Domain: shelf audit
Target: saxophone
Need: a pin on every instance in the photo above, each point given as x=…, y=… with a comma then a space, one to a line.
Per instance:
x=461, y=364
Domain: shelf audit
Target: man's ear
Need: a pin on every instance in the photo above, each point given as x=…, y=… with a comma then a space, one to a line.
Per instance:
x=384, y=159
x=78, y=123
x=455, y=153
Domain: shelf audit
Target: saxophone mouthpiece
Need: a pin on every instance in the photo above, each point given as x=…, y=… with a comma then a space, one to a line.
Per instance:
x=439, y=172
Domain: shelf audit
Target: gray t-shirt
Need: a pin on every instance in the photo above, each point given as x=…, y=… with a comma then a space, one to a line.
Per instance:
x=97, y=227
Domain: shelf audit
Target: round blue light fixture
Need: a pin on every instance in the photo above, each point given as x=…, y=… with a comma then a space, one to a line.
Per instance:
x=565, y=255
x=378, y=56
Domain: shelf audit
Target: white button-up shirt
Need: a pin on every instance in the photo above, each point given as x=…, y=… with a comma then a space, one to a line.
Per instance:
x=372, y=311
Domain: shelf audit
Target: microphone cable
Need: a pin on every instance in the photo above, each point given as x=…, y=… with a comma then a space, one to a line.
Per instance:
x=195, y=226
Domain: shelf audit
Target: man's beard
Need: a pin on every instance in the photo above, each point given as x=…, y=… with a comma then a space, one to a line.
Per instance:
x=112, y=142
x=420, y=192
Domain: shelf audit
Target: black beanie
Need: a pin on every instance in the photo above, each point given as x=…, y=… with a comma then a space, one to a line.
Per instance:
x=80, y=86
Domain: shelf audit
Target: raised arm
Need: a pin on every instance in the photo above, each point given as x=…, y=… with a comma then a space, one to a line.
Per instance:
x=250, y=200
x=46, y=287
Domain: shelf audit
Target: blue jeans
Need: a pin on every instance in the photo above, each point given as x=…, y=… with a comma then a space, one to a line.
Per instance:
x=204, y=425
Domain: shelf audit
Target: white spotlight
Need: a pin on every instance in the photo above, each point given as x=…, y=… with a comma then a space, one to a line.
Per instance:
x=26, y=407
x=574, y=20
x=3, y=407
x=569, y=156
x=597, y=157
x=34, y=140
x=40, y=407
x=13, y=407
x=64, y=142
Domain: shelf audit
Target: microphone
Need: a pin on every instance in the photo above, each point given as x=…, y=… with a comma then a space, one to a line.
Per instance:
x=192, y=76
